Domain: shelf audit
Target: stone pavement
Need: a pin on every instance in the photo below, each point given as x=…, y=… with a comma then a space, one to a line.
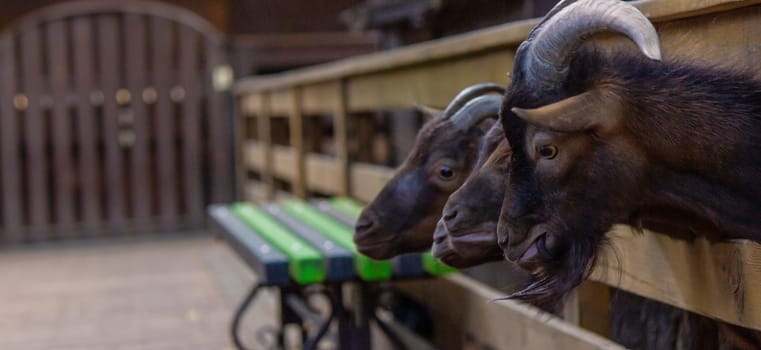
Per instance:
x=174, y=292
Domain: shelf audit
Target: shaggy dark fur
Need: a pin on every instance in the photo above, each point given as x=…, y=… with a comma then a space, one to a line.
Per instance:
x=685, y=157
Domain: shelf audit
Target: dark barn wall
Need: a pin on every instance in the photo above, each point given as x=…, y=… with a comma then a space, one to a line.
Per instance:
x=287, y=16
x=215, y=11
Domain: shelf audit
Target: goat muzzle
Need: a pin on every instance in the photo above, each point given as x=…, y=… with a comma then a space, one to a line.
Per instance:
x=524, y=250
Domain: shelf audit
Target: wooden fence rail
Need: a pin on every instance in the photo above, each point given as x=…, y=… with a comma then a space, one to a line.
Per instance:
x=712, y=279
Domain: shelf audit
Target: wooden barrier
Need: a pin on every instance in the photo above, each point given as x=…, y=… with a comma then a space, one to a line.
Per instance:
x=110, y=121
x=712, y=279
x=487, y=323
x=716, y=279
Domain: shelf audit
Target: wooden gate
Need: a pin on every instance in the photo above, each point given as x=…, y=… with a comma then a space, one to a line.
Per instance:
x=113, y=120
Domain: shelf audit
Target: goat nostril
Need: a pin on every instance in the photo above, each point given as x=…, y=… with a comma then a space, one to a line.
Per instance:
x=363, y=225
x=450, y=216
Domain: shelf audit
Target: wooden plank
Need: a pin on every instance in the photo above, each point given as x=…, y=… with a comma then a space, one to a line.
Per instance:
x=296, y=127
x=256, y=191
x=404, y=126
x=265, y=138
x=508, y=35
x=84, y=83
x=661, y=11
x=433, y=84
x=161, y=66
x=322, y=173
x=244, y=127
x=141, y=172
x=191, y=126
x=572, y=309
x=318, y=98
x=34, y=134
x=219, y=125
x=365, y=129
x=12, y=218
x=715, y=279
x=249, y=105
x=368, y=179
x=70, y=9
x=254, y=155
x=595, y=311
x=109, y=59
x=283, y=162
x=63, y=161
x=281, y=41
x=313, y=134
x=280, y=103
x=475, y=310
x=340, y=136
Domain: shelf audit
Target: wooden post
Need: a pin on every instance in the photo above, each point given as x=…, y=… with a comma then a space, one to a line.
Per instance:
x=403, y=133
x=34, y=138
x=10, y=178
x=265, y=137
x=161, y=32
x=296, y=122
x=365, y=138
x=340, y=121
x=63, y=159
x=135, y=27
x=595, y=314
x=116, y=196
x=86, y=126
x=571, y=308
x=239, y=133
x=190, y=105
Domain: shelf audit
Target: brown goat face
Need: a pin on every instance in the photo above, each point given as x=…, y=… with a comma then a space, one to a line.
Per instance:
x=403, y=215
x=564, y=192
x=466, y=234
x=576, y=169
x=443, y=251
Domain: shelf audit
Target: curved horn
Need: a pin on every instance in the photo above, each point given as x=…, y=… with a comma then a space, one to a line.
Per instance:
x=467, y=94
x=476, y=110
x=551, y=44
x=555, y=9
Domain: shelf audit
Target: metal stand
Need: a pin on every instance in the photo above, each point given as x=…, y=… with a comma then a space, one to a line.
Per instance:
x=239, y=314
x=353, y=324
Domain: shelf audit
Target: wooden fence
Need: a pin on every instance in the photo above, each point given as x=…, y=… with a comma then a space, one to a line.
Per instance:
x=110, y=121
x=708, y=278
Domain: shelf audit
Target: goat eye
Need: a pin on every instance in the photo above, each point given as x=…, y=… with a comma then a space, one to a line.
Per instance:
x=446, y=172
x=548, y=151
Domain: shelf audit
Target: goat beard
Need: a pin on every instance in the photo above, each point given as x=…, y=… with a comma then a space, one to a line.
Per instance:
x=554, y=279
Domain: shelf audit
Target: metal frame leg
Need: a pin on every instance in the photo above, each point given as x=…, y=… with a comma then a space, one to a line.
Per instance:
x=388, y=332
x=288, y=315
x=353, y=324
x=322, y=329
x=239, y=315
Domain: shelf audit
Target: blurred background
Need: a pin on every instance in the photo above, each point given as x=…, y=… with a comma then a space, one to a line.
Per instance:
x=122, y=120
x=116, y=130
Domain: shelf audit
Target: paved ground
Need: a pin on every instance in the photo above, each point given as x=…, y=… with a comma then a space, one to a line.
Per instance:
x=169, y=293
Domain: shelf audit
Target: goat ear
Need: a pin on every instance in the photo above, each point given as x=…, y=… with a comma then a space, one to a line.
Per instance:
x=594, y=109
x=428, y=110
